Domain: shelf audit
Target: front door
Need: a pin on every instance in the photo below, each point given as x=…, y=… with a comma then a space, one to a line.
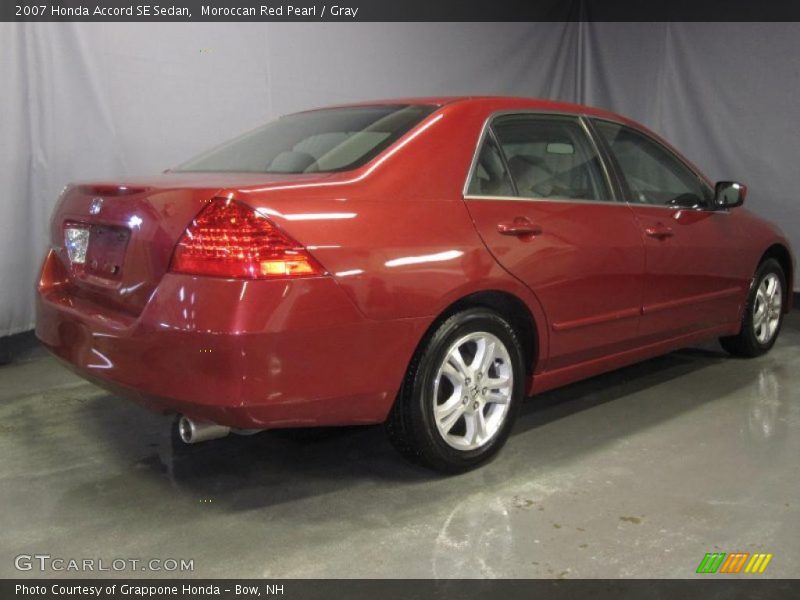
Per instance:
x=696, y=268
x=542, y=203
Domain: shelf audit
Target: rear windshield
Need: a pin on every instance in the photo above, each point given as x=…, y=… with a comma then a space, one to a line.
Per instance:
x=334, y=139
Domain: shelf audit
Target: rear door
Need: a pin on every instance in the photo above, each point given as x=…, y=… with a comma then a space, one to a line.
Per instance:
x=542, y=202
x=696, y=264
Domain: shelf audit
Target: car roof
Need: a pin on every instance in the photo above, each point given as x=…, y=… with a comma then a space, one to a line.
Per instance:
x=500, y=103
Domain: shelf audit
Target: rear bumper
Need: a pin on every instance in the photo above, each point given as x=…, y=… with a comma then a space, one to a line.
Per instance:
x=247, y=354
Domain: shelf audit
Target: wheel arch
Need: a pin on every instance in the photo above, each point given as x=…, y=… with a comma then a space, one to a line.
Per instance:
x=510, y=307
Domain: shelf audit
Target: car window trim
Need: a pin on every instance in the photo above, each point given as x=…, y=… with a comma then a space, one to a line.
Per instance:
x=580, y=118
x=623, y=180
x=612, y=167
x=551, y=200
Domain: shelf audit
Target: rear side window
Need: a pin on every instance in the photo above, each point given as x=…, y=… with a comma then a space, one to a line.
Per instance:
x=490, y=176
x=334, y=139
x=551, y=157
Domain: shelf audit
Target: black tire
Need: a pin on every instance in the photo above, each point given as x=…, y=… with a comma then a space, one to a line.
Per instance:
x=746, y=344
x=411, y=425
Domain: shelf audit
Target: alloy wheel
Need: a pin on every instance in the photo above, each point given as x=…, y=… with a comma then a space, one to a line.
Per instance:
x=472, y=391
x=767, y=308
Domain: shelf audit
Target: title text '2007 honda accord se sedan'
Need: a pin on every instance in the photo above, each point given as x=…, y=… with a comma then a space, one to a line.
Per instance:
x=422, y=263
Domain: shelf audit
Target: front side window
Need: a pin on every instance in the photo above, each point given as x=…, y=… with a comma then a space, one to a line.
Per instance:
x=551, y=157
x=654, y=175
x=333, y=139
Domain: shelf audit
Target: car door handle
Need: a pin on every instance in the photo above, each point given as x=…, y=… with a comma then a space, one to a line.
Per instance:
x=659, y=231
x=518, y=227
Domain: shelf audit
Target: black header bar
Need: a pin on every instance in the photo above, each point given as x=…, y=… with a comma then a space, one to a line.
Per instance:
x=399, y=10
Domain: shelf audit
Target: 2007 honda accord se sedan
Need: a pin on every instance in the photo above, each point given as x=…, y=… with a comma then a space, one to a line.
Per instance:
x=423, y=263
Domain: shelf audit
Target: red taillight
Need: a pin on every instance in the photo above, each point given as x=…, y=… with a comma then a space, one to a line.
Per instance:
x=229, y=239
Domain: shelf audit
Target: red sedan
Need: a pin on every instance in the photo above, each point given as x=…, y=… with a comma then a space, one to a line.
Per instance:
x=426, y=263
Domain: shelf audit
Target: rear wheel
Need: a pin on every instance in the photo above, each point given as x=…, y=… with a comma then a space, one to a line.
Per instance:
x=461, y=393
x=763, y=313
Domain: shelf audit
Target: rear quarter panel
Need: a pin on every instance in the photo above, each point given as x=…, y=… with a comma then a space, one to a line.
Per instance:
x=396, y=235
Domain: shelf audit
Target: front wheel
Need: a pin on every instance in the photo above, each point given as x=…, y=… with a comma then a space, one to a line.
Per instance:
x=461, y=393
x=763, y=314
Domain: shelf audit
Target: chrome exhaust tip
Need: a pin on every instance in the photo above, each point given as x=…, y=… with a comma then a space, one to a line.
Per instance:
x=194, y=432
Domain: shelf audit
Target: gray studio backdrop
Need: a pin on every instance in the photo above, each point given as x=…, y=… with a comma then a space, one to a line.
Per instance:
x=109, y=100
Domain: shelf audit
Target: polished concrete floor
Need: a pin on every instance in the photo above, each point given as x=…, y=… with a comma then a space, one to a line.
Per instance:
x=637, y=473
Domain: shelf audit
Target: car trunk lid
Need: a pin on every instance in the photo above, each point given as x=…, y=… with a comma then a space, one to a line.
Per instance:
x=116, y=240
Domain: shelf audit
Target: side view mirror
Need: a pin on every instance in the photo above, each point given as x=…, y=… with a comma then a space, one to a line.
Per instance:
x=728, y=194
